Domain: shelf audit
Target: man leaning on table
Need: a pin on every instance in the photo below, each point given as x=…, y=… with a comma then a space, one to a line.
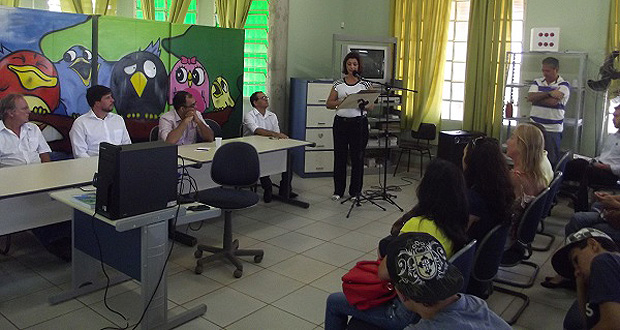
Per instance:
x=184, y=124
x=260, y=121
x=98, y=125
x=22, y=143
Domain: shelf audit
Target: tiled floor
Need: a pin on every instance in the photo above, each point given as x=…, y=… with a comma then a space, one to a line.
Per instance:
x=306, y=253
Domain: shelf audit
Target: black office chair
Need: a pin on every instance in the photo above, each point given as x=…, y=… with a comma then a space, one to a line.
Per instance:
x=528, y=226
x=154, y=134
x=215, y=127
x=463, y=259
x=486, y=265
x=561, y=164
x=235, y=165
x=421, y=143
x=554, y=187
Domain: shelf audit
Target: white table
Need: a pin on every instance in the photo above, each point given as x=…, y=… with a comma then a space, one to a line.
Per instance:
x=136, y=246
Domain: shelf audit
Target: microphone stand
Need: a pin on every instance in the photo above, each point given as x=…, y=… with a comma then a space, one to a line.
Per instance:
x=359, y=197
x=382, y=193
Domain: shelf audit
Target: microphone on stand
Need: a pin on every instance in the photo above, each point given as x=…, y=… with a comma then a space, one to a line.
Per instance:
x=357, y=75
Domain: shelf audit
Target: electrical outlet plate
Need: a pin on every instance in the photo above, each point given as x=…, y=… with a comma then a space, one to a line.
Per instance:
x=545, y=40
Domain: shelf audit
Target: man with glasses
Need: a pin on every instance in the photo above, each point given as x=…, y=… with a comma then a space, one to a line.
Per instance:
x=183, y=125
x=260, y=121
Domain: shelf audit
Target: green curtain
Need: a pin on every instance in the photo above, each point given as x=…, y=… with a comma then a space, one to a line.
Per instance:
x=178, y=10
x=9, y=3
x=421, y=28
x=232, y=13
x=488, y=40
x=102, y=7
x=148, y=9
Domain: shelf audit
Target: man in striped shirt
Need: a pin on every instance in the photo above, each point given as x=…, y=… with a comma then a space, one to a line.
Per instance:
x=549, y=96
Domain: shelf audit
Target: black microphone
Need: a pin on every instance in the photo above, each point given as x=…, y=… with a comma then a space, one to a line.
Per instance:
x=357, y=74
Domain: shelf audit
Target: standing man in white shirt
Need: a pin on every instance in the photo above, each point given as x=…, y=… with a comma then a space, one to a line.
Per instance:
x=260, y=121
x=21, y=142
x=98, y=125
x=184, y=124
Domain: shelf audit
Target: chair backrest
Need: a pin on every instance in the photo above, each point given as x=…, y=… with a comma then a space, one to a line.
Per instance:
x=215, y=127
x=463, y=259
x=528, y=224
x=554, y=187
x=561, y=163
x=154, y=134
x=426, y=131
x=489, y=254
x=235, y=164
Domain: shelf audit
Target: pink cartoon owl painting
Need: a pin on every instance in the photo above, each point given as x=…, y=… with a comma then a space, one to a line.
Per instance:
x=189, y=75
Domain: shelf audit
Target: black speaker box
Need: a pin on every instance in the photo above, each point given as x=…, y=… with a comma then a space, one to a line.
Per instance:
x=452, y=144
x=135, y=178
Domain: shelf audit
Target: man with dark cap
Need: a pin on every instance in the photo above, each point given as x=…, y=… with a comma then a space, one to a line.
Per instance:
x=428, y=285
x=591, y=257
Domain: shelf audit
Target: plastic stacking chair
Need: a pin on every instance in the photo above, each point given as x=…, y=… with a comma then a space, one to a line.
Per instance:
x=554, y=187
x=215, y=127
x=154, y=134
x=421, y=143
x=235, y=165
x=463, y=259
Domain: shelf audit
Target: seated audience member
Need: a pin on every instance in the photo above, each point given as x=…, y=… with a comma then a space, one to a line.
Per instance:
x=525, y=147
x=22, y=143
x=428, y=285
x=591, y=257
x=98, y=125
x=602, y=170
x=441, y=212
x=184, y=124
x=261, y=121
x=605, y=217
x=545, y=164
x=490, y=193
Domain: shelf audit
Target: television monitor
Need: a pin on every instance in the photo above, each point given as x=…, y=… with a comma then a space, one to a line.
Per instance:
x=135, y=178
x=376, y=61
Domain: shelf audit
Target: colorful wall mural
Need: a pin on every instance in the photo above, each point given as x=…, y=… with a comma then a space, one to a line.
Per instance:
x=50, y=58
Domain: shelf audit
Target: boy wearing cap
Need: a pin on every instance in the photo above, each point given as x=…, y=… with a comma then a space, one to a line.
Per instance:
x=591, y=257
x=428, y=285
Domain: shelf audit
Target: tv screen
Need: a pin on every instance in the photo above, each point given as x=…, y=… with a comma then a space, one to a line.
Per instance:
x=373, y=62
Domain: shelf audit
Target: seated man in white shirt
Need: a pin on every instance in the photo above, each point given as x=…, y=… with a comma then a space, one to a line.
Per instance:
x=98, y=125
x=261, y=121
x=22, y=143
x=184, y=124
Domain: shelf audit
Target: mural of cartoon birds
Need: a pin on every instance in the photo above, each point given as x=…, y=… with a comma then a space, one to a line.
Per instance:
x=189, y=75
x=75, y=74
x=221, y=94
x=33, y=75
x=139, y=83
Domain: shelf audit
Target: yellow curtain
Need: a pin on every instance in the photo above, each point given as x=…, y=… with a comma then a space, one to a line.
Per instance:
x=613, y=32
x=421, y=27
x=232, y=13
x=148, y=9
x=9, y=3
x=102, y=7
x=488, y=40
x=177, y=11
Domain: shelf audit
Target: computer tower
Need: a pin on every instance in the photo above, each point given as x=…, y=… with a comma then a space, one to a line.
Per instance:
x=452, y=144
x=135, y=178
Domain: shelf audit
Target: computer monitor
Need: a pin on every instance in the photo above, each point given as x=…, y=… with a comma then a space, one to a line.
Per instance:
x=135, y=178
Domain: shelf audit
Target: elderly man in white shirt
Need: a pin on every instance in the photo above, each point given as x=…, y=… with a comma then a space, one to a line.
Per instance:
x=260, y=121
x=98, y=125
x=21, y=142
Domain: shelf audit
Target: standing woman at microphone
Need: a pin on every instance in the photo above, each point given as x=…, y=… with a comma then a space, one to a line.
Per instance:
x=350, y=128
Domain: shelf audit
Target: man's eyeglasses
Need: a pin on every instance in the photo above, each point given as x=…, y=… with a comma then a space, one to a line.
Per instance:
x=264, y=97
x=191, y=106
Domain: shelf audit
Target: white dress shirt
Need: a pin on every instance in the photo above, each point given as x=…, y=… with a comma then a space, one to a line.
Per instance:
x=610, y=153
x=88, y=131
x=171, y=120
x=23, y=149
x=254, y=119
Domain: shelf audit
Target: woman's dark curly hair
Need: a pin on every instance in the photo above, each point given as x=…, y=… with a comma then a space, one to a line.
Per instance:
x=442, y=198
x=486, y=172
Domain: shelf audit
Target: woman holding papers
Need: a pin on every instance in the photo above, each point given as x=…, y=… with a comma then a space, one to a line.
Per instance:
x=350, y=128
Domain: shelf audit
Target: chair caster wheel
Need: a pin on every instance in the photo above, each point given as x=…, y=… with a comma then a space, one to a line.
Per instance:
x=198, y=269
x=238, y=273
x=198, y=254
x=258, y=259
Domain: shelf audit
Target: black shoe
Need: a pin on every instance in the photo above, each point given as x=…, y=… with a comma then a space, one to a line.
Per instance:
x=267, y=196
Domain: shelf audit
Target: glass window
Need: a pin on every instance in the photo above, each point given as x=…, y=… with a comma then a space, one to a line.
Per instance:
x=256, y=46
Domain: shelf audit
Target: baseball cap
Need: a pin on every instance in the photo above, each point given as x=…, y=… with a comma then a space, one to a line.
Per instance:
x=560, y=259
x=420, y=270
